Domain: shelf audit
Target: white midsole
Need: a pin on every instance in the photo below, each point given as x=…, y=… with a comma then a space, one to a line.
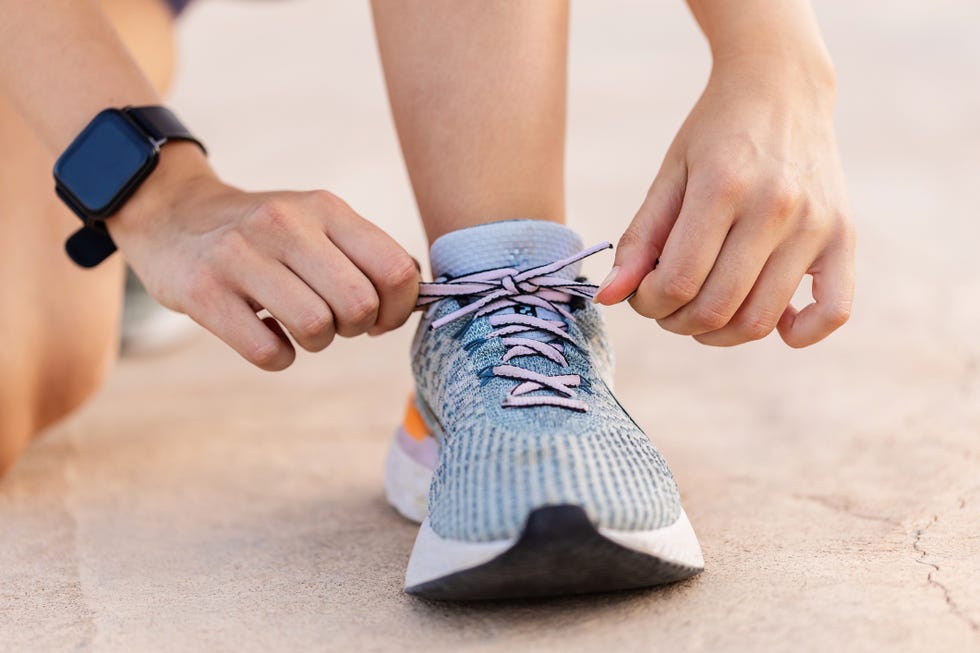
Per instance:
x=434, y=556
x=407, y=483
x=407, y=488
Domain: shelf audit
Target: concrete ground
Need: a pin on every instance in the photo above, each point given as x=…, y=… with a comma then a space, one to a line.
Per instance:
x=198, y=504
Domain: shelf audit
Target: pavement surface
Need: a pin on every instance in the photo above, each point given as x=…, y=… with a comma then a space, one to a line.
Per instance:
x=198, y=504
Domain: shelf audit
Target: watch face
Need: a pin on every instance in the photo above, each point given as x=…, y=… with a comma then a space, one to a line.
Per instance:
x=105, y=163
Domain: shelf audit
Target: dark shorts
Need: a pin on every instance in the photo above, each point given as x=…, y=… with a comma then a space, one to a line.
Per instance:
x=178, y=6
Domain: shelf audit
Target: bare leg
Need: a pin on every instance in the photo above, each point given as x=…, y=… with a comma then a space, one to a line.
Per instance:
x=59, y=322
x=478, y=95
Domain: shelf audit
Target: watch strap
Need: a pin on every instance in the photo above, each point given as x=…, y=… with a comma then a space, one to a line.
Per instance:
x=161, y=125
x=89, y=246
x=92, y=244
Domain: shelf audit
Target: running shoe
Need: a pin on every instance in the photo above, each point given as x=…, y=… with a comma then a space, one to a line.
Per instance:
x=527, y=475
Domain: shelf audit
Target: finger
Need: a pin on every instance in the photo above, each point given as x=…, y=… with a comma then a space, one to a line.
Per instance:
x=739, y=264
x=641, y=244
x=691, y=249
x=277, y=289
x=348, y=293
x=833, y=293
x=760, y=312
x=308, y=252
x=394, y=274
x=294, y=235
x=229, y=317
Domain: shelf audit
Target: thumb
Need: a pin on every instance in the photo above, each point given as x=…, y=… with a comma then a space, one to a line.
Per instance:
x=643, y=241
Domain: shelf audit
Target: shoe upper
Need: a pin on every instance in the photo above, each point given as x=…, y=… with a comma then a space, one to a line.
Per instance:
x=499, y=460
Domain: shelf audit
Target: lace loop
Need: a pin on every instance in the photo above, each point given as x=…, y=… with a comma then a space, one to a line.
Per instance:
x=521, y=333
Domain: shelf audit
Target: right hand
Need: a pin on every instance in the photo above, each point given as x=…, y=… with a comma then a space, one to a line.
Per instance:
x=220, y=255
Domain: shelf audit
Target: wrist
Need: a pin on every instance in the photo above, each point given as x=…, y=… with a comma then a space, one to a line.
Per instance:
x=806, y=76
x=800, y=54
x=182, y=166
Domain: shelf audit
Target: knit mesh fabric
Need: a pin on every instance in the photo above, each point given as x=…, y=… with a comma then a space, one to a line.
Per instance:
x=498, y=464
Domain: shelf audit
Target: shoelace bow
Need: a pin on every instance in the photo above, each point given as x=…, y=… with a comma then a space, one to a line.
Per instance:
x=500, y=288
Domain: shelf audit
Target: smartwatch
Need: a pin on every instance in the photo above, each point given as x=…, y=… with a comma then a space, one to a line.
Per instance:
x=104, y=166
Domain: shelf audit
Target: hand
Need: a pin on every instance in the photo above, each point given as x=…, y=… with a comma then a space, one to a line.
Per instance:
x=750, y=198
x=220, y=255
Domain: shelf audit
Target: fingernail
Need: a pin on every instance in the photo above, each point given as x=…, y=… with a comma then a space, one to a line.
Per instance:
x=605, y=282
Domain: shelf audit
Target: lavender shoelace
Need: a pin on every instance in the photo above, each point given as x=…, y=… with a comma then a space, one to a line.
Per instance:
x=521, y=333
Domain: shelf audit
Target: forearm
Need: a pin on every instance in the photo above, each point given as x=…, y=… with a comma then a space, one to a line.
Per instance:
x=782, y=32
x=61, y=62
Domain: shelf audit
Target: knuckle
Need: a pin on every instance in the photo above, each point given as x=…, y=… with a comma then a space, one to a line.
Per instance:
x=317, y=323
x=680, y=288
x=838, y=314
x=710, y=317
x=757, y=326
x=326, y=200
x=363, y=310
x=273, y=214
x=781, y=196
x=727, y=183
x=810, y=227
x=229, y=246
x=401, y=272
x=201, y=288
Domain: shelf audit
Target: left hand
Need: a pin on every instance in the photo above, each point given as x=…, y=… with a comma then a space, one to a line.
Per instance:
x=749, y=199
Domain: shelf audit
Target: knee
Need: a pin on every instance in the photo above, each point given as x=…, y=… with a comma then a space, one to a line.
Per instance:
x=78, y=375
x=33, y=402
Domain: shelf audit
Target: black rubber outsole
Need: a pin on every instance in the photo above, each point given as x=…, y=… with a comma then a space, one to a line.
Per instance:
x=560, y=552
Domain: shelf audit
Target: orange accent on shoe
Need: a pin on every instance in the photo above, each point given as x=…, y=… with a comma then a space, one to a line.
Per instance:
x=413, y=423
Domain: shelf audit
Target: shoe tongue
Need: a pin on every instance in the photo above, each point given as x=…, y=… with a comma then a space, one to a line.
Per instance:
x=519, y=244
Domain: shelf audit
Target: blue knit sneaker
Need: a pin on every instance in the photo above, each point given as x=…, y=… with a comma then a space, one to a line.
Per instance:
x=538, y=482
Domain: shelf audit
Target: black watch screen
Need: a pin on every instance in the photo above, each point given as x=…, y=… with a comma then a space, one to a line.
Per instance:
x=105, y=165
